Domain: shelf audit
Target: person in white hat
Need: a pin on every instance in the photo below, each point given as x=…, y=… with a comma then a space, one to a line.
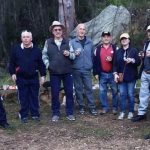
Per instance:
x=57, y=58
x=125, y=68
x=145, y=81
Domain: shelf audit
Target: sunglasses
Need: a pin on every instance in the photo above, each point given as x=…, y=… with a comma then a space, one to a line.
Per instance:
x=57, y=29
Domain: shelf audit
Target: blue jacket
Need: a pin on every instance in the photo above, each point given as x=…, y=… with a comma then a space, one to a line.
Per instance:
x=130, y=71
x=84, y=60
x=26, y=62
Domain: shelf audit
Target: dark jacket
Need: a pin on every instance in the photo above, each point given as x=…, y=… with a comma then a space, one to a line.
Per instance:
x=26, y=62
x=97, y=68
x=142, y=65
x=130, y=70
x=58, y=63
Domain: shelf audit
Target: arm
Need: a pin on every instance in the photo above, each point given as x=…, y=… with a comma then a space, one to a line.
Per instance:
x=45, y=56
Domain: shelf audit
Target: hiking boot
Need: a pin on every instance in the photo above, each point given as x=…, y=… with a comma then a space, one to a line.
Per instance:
x=36, y=118
x=55, y=118
x=103, y=112
x=82, y=111
x=139, y=118
x=71, y=117
x=121, y=116
x=146, y=137
x=130, y=115
x=24, y=120
x=93, y=112
x=4, y=125
x=114, y=111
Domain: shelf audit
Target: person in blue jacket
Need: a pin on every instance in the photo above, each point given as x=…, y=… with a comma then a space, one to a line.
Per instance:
x=82, y=67
x=126, y=62
x=3, y=118
x=24, y=67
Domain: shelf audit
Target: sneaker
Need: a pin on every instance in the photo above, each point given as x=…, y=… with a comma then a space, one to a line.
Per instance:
x=93, y=112
x=139, y=118
x=82, y=111
x=24, y=120
x=55, y=118
x=114, y=111
x=36, y=118
x=71, y=117
x=4, y=125
x=103, y=112
x=130, y=115
x=121, y=116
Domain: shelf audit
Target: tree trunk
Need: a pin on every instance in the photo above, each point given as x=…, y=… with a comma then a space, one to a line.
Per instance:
x=67, y=14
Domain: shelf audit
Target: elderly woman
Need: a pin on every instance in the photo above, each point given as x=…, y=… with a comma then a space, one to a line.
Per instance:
x=125, y=74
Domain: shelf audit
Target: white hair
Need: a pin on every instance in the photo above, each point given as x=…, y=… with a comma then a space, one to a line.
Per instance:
x=25, y=32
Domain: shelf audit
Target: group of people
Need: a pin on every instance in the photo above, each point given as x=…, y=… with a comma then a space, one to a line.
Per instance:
x=71, y=62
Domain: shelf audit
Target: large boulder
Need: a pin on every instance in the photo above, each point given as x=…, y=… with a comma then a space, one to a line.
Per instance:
x=112, y=18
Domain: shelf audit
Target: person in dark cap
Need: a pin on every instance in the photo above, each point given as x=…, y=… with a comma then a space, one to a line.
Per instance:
x=103, y=71
x=58, y=60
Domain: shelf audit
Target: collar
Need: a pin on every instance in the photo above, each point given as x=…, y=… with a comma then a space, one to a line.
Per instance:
x=22, y=46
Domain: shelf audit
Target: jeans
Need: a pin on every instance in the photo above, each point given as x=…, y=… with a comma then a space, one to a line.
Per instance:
x=83, y=83
x=55, y=81
x=144, y=93
x=105, y=79
x=126, y=90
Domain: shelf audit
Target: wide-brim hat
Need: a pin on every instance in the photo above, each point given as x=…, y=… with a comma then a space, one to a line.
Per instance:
x=148, y=28
x=56, y=23
x=124, y=35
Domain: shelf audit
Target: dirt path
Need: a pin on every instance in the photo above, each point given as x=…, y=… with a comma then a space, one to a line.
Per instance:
x=86, y=133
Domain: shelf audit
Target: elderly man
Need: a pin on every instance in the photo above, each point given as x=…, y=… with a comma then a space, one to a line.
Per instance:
x=57, y=58
x=103, y=71
x=25, y=63
x=82, y=66
x=145, y=81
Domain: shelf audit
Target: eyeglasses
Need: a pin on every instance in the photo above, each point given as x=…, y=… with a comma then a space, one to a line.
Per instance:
x=57, y=29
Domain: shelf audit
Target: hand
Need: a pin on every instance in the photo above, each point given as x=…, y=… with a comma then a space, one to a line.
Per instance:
x=96, y=77
x=78, y=51
x=108, y=58
x=42, y=80
x=148, y=53
x=14, y=78
x=141, y=54
x=66, y=53
x=130, y=60
x=116, y=77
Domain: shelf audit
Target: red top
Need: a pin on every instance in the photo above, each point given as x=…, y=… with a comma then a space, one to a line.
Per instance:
x=106, y=65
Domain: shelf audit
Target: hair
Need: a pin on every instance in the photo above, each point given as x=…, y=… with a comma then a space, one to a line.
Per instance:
x=26, y=32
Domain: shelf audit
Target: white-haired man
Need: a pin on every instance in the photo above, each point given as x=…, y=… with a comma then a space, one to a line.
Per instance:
x=82, y=67
x=25, y=63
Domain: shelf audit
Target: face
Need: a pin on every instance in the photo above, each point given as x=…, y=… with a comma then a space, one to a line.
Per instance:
x=125, y=41
x=57, y=32
x=148, y=34
x=106, y=39
x=81, y=30
x=26, y=38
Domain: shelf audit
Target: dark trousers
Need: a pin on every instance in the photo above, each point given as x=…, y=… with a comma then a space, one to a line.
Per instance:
x=28, y=94
x=3, y=118
x=55, y=81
